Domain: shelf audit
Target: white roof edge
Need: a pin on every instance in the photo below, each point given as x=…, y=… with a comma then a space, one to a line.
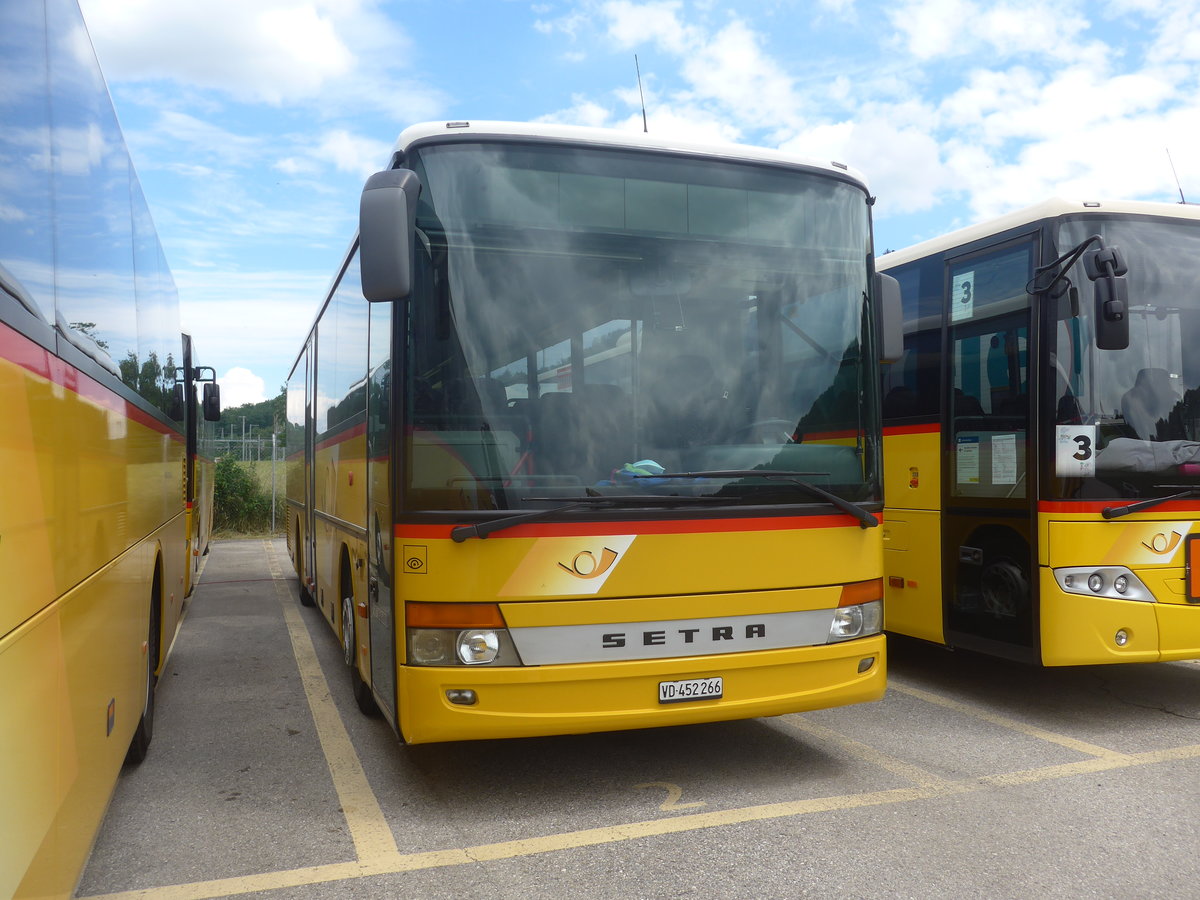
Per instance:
x=634, y=140
x=1055, y=206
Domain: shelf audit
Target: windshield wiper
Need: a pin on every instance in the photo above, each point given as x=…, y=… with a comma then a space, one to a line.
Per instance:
x=865, y=519
x=1113, y=512
x=460, y=533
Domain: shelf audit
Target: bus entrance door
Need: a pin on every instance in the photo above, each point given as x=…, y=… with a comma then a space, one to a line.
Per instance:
x=380, y=531
x=987, y=528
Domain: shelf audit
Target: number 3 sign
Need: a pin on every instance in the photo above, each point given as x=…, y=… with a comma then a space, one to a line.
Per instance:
x=1075, y=451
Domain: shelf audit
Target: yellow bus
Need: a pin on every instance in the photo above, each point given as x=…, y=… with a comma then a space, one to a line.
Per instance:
x=585, y=436
x=1042, y=434
x=93, y=539
x=202, y=409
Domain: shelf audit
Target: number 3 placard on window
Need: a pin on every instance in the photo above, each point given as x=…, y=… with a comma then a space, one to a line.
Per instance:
x=1075, y=451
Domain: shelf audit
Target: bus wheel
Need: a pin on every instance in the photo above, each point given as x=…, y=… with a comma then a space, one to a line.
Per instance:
x=140, y=745
x=362, y=691
x=1005, y=589
x=306, y=597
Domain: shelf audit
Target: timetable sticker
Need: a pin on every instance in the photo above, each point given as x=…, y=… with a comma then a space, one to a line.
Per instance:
x=1004, y=459
x=967, y=456
x=1075, y=451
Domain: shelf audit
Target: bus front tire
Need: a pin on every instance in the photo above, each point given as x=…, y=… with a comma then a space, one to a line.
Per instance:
x=362, y=691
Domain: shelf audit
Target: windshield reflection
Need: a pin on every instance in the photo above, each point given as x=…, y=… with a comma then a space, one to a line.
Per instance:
x=1140, y=406
x=584, y=323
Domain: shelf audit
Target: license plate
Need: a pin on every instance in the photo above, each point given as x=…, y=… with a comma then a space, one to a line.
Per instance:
x=690, y=689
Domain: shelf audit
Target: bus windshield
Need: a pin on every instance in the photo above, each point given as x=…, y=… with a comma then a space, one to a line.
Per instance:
x=1139, y=407
x=588, y=322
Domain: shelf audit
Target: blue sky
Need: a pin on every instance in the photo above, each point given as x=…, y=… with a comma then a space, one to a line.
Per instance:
x=253, y=123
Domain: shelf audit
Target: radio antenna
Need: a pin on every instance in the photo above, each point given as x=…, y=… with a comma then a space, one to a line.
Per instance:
x=641, y=96
x=1176, y=174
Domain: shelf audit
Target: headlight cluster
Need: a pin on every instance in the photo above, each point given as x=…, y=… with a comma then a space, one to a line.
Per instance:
x=458, y=634
x=466, y=647
x=1113, y=582
x=859, y=620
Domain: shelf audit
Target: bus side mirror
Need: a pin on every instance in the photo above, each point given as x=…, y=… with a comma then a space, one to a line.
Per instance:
x=175, y=407
x=211, y=403
x=890, y=318
x=1106, y=268
x=387, y=213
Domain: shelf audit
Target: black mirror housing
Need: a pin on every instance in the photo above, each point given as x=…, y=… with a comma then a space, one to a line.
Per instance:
x=387, y=214
x=1112, y=313
x=211, y=404
x=175, y=406
x=890, y=317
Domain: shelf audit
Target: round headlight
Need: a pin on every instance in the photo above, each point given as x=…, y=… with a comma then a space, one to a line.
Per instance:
x=1096, y=582
x=1121, y=583
x=477, y=647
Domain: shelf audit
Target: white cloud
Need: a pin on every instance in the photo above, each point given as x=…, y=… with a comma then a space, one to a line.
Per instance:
x=985, y=31
x=240, y=386
x=336, y=56
x=253, y=49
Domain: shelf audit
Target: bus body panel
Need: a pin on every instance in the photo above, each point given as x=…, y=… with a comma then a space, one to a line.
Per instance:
x=1078, y=630
x=912, y=532
x=913, y=563
x=579, y=699
x=61, y=761
x=694, y=557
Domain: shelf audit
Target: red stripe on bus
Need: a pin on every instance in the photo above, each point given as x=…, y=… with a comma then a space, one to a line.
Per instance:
x=923, y=428
x=342, y=436
x=36, y=359
x=811, y=436
x=1098, y=506
x=673, y=526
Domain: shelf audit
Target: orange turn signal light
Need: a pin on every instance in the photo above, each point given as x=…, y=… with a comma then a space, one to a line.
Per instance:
x=861, y=592
x=453, y=615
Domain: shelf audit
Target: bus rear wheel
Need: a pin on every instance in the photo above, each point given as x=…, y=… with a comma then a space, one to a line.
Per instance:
x=139, y=747
x=362, y=691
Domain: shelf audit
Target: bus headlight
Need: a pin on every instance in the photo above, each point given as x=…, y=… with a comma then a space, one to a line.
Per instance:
x=1113, y=582
x=859, y=620
x=458, y=634
x=478, y=647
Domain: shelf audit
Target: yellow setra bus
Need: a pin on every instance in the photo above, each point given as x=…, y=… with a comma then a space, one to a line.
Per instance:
x=1042, y=436
x=93, y=515
x=586, y=436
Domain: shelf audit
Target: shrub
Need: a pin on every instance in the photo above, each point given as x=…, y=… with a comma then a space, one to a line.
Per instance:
x=239, y=502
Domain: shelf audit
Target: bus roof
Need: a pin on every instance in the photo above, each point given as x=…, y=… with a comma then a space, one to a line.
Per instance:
x=1047, y=209
x=611, y=137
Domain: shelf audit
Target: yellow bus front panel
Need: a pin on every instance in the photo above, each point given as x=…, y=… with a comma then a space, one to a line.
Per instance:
x=666, y=578
x=575, y=699
x=1085, y=626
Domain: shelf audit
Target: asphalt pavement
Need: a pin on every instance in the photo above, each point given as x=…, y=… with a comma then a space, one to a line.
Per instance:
x=974, y=777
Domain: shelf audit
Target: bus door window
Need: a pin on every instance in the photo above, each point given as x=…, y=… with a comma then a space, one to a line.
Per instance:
x=989, y=401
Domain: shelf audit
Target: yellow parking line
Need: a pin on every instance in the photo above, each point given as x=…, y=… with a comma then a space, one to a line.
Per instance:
x=866, y=752
x=372, y=836
x=613, y=834
x=1004, y=722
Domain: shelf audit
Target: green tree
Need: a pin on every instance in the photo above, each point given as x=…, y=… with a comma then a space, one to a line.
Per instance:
x=239, y=502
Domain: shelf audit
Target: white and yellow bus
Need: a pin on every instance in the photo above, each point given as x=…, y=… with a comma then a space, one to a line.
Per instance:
x=93, y=531
x=586, y=436
x=1042, y=436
